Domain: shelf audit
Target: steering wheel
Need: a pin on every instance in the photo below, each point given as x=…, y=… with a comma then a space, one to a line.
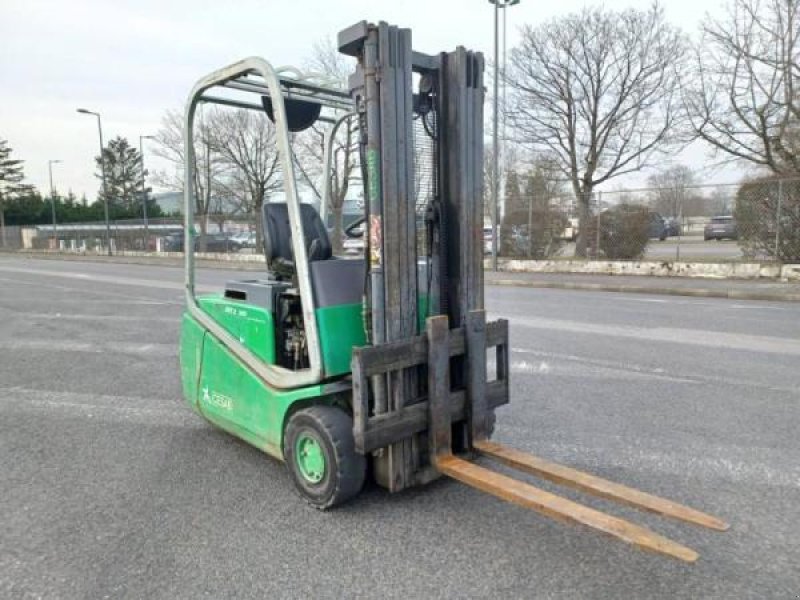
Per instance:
x=350, y=230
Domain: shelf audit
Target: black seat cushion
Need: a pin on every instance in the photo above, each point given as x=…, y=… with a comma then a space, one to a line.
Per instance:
x=278, y=236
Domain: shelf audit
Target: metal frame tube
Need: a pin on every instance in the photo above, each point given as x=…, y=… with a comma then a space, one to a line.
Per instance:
x=105, y=187
x=144, y=194
x=252, y=86
x=245, y=105
x=330, y=137
x=53, y=201
x=273, y=375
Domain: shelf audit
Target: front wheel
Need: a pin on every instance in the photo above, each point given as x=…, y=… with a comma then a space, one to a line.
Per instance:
x=321, y=458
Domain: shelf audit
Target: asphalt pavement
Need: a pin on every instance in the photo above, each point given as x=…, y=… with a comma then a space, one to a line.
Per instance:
x=113, y=487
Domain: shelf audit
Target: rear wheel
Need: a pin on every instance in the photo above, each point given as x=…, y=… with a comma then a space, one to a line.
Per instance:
x=321, y=458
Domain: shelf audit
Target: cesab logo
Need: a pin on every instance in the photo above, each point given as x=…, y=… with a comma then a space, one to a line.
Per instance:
x=216, y=399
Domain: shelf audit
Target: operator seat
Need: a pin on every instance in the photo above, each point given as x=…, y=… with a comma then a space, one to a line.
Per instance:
x=278, y=237
x=334, y=282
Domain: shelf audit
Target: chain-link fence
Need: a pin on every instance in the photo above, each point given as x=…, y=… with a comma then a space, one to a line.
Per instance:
x=215, y=234
x=11, y=237
x=756, y=220
x=218, y=234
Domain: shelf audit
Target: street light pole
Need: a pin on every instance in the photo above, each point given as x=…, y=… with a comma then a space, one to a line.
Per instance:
x=103, y=174
x=50, y=164
x=495, y=144
x=496, y=174
x=144, y=193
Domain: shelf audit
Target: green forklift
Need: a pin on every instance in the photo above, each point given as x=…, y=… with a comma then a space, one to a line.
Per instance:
x=382, y=365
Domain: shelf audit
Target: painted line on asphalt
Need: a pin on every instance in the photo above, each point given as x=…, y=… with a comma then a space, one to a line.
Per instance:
x=170, y=285
x=649, y=372
x=79, y=293
x=587, y=371
x=60, y=316
x=118, y=408
x=116, y=302
x=37, y=284
x=157, y=350
x=671, y=335
x=756, y=307
x=111, y=279
x=703, y=466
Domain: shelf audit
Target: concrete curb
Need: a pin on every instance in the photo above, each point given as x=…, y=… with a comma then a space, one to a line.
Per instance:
x=652, y=268
x=172, y=259
x=641, y=289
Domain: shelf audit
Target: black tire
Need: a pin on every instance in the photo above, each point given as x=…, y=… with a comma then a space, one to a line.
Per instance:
x=345, y=470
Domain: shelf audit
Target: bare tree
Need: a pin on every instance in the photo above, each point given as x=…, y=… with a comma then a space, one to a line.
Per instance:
x=596, y=90
x=512, y=161
x=672, y=189
x=744, y=100
x=335, y=68
x=244, y=141
x=721, y=201
x=208, y=168
x=697, y=205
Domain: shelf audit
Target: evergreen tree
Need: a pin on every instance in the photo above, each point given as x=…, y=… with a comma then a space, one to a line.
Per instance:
x=123, y=167
x=11, y=176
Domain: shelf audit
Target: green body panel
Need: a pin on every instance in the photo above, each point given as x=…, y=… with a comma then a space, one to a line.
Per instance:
x=229, y=395
x=237, y=400
x=191, y=357
x=251, y=325
x=218, y=386
x=340, y=329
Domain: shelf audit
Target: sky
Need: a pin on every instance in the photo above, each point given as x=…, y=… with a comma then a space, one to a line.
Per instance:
x=132, y=61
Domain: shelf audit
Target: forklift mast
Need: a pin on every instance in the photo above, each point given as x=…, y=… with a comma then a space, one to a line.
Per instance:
x=407, y=101
x=423, y=401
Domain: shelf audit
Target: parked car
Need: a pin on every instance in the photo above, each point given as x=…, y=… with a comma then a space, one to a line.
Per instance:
x=570, y=232
x=245, y=239
x=173, y=242
x=657, y=228
x=487, y=240
x=217, y=242
x=673, y=226
x=721, y=228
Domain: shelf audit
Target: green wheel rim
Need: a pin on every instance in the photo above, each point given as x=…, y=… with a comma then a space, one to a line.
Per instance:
x=310, y=458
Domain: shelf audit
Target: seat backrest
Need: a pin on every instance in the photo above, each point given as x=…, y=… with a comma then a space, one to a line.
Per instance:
x=278, y=234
